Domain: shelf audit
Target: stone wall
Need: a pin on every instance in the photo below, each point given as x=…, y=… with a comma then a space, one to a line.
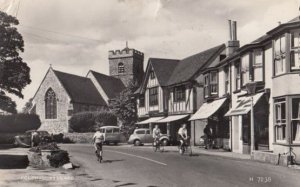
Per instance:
x=63, y=101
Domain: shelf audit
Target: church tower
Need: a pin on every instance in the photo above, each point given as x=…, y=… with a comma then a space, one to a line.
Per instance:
x=127, y=65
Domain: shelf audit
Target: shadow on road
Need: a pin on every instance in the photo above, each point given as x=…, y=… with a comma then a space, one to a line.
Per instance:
x=111, y=161
x=13, y=161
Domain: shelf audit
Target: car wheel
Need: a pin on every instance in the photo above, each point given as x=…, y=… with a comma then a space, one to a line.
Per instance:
x=165, y=142
x=137, y=142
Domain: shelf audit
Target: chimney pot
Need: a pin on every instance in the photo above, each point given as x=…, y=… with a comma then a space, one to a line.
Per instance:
x=230, y=29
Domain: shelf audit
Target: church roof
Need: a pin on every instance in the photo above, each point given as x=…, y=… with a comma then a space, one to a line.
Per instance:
x=80, y=89
x=189, y=66
x=112, y=86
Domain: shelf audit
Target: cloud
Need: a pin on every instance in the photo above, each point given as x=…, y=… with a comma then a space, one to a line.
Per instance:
x=76, y=35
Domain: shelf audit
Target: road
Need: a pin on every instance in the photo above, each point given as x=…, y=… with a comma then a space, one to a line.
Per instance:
x=140, y=166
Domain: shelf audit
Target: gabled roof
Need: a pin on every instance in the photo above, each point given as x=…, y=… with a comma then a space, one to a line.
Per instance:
x=188, y=67
x=80, y=89
x=112, y=86
x=163, y=69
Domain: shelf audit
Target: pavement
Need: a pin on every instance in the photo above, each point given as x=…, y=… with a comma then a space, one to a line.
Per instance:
x=141, y=166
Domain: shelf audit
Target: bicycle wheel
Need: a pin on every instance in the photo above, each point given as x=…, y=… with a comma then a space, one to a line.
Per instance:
x=154, y=147
x=161, y=148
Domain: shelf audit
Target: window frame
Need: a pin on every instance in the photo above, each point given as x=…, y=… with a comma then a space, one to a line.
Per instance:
x=294, y=49
x=50, y=104
x=152, y=75
x=206, y=86
x=281, y=57
x=179, y=93
x=258, y=66
x=293, y=141
x=280, y=122
x=121, y=68
x=153, y=96
x=213, y=84
x=237, y=71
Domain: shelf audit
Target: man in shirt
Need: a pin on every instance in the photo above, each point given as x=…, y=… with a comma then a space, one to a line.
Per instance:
x=156, y=133
x=182, y=135
x=98, y=140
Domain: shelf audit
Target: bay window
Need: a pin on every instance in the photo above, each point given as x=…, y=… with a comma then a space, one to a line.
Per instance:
x=214, y=83
x=295, y=51
x=280, y=119
x=295, y=119
x=258, y=65
x=245, y=70
x=179, y=93
x=237, y=76
x=153, y=96
x=280, y=55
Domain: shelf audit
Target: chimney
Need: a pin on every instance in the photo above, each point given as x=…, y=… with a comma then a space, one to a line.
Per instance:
x=233, y=44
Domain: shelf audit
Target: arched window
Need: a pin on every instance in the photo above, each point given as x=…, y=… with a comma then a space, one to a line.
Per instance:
x=121, y=68
x=50, y=104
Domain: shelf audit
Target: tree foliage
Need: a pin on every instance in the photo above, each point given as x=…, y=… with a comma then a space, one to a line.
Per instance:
x=14, y=72
x=124, y=106
x=28, y=105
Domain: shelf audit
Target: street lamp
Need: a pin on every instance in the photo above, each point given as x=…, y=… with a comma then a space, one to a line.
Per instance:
x=251, y=86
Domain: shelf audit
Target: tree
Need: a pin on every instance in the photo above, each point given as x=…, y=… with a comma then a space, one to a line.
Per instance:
x=28, y=105
x=14, y=72
x=124, y=106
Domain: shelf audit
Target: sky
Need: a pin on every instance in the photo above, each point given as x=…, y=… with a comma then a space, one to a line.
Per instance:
x=75, y=35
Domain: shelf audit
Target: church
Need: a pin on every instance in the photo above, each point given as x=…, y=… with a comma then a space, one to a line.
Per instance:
x=61, y=94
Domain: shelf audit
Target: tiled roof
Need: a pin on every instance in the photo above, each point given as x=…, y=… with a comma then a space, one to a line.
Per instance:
x=189, y=66
x=294, y=19
x=112, y=86
x=163, y=69
x=80, y=89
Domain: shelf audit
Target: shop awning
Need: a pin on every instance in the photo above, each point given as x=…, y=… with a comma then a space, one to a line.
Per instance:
x=172, y=118
x=150, y=120
x=243, y=105
x=208, y=109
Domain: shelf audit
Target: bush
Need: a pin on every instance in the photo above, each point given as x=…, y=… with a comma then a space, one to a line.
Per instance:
x=47, y=146
x=19, y=122
x=59, y=158
x=89, y=121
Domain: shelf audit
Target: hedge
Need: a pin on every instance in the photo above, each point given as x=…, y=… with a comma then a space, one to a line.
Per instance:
x=90, y=121
x=19, y=122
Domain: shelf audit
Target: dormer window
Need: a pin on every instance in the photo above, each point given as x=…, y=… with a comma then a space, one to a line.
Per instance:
x=179, y=93
x=211, y=84
x=121, y=68
x=152, y=75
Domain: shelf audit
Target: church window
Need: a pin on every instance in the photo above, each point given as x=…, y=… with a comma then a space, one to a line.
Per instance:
x=121, y=68
x=50, y=105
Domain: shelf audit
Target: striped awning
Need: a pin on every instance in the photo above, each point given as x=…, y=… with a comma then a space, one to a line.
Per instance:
x=149, y=120
x=172, y=118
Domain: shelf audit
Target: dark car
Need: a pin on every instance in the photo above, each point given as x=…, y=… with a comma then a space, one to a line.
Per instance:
x=25, y=139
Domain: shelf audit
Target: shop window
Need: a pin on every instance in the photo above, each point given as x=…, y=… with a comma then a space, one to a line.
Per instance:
x=280, y=119
x=296, y=119
x=121, y=68
x=258, y=65
x=279, y=55
x=142, y=101
x=179, y=93
x=153, y=96
x=245, y=70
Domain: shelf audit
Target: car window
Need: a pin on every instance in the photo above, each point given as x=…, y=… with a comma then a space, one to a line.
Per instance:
x=140, y=132
x=116, y=131
x=102, y=130
x=109, y=130
x=147, y=131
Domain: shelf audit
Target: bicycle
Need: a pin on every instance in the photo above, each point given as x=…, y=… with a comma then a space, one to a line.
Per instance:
x=186, y=147
x=157, y=145
x=99, y=152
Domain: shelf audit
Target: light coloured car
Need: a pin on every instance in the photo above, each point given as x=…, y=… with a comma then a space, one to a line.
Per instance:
x=112, y=134
x=141, y=136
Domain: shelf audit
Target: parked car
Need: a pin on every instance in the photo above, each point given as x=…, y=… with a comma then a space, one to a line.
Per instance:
x=112, y=134
x=141, y=136
x=25, y=139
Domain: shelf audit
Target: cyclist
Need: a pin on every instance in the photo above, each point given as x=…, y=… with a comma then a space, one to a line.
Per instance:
x=182, y=135
x=98, y=140
x=156, y=134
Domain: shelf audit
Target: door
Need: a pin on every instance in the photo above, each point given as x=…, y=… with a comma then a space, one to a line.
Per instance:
x=148, y=137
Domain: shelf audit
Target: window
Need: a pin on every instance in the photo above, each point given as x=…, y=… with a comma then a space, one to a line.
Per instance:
x=152, y=75
x=179, y=93
x=258, y=65
x=142, y=101
x=279, y=55
x=121, y=68
x=280, y=119
x=153, y=96
x=140, y=132
x=245, y=70
x=206, y=83
x=237, y=76
x=295, y=51
x=214, y=83
x=296, y=119
x=227, y=79
x=147, y=131
x=50, y=105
